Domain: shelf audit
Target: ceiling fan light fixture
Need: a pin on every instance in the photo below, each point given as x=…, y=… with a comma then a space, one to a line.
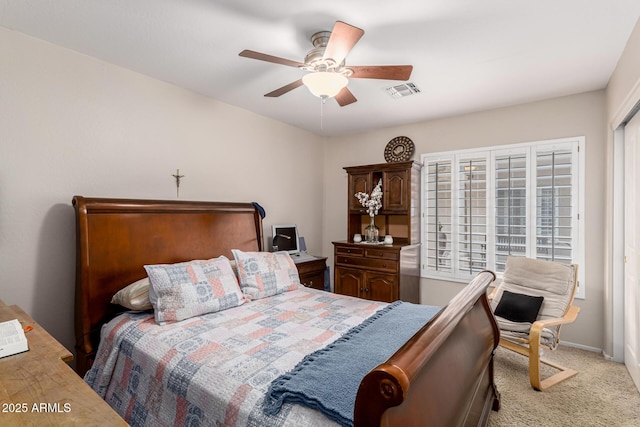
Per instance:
x=327, y=74
x=325, y=84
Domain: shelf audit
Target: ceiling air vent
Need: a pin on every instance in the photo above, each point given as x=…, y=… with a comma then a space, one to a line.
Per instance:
x=405, y=89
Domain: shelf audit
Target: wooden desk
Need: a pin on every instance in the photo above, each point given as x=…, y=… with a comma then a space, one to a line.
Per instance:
x=38, y=388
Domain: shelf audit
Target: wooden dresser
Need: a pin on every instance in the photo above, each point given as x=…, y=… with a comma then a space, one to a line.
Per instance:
x=378, y=272
x=38, y=388
x=375, y=271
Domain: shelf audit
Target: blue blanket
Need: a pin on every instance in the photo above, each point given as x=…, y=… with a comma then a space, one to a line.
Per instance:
x=328, y=379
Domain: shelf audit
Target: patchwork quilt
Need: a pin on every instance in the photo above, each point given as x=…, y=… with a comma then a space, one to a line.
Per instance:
x=215, y=369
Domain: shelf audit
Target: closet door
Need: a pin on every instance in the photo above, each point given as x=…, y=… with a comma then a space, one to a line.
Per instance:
x=632, y=248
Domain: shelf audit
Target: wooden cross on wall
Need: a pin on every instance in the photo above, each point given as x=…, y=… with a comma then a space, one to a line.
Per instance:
x=177, y=176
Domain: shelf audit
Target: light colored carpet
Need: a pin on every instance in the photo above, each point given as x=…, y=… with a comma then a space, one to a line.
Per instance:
x=602, y=394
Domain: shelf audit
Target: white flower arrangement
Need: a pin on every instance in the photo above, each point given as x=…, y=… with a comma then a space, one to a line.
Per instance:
x=372, y=202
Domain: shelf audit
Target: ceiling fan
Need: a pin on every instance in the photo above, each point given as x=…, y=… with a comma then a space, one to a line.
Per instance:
x=328, y=75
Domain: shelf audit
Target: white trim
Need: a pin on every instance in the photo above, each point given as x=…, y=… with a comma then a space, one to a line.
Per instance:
x=491, y=207
x=582, y=347
x=581, y=241
x=617, y=291
x=625, y=111
x=503, y=149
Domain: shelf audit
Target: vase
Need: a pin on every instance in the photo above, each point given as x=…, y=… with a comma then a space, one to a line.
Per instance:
x=371, y=232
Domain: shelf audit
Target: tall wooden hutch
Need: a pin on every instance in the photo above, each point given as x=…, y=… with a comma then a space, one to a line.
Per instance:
x=378, y=271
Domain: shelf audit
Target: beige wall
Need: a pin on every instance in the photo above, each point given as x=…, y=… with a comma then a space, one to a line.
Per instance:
x=578, y=115
x=70, y=124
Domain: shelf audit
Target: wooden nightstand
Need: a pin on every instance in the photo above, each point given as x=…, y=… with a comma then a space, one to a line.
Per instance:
x=311, y=270
x=38, y=388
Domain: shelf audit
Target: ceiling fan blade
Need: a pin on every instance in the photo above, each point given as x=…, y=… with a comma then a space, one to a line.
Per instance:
x=345, y=97
x=284, y=89
x=386, y=72
x=343, y=38
x=270, y=58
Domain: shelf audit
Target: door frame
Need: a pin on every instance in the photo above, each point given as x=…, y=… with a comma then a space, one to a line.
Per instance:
x=615, y=319
x=617, y=291
x=632, y=243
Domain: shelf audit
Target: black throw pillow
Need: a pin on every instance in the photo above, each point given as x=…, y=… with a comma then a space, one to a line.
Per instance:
x=518, y=307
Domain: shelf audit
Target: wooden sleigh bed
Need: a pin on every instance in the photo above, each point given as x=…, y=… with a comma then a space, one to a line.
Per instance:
x=442, y=376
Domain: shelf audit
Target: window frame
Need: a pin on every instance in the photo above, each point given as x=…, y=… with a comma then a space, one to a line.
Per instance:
x=531, y=150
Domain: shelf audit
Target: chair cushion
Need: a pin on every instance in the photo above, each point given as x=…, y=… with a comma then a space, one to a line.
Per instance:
x=518, y=307
x=508, y=330
x=551, y=280
x=547, y=276
x=548, y=279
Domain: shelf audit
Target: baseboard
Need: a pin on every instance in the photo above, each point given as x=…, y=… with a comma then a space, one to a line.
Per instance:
x=611, y=358
x=593, y=349
x=583, y=347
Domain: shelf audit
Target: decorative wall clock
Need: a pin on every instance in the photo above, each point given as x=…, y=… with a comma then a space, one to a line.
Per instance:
x=399, y=149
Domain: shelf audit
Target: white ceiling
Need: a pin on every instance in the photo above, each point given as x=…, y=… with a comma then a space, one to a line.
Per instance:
x=468, y=55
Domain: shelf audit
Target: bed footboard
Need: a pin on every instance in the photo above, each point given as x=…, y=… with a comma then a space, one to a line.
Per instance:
x=443, y=376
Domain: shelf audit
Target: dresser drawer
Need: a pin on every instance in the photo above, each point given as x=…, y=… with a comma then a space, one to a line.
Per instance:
x=390, y=266
x=311, y=272
x=380, y=253
x=351, y=251
x=311, y=267
x=313, y=280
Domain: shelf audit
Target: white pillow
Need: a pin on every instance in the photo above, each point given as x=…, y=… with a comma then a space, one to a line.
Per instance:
x=263, y=274
x=183, y=290
x=134, y=296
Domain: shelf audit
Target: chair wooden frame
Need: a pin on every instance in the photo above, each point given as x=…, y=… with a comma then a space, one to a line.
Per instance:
x=532, y=347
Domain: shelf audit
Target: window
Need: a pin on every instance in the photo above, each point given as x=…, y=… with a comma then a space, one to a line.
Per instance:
x=480, y=206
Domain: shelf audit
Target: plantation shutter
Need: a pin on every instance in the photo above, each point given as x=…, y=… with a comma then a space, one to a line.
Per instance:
x=554, y=206
x=511, y=207
x=439, y=212
x=472, y=216
x=482, y=205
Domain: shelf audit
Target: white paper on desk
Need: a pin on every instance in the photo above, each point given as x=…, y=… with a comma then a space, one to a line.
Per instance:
x=12, y=338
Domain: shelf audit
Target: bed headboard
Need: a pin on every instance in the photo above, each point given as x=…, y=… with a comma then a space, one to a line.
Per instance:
x=115, y=238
